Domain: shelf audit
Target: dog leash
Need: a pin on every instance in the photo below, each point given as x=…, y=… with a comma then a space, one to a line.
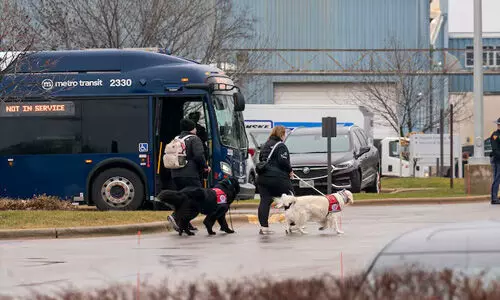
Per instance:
x=231, y=219
x=297, y=177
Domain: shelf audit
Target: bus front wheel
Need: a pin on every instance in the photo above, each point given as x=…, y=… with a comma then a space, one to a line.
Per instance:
x=117, y=189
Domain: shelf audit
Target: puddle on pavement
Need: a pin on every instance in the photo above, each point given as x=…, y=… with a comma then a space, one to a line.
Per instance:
x=40, y=261
x=175, y=261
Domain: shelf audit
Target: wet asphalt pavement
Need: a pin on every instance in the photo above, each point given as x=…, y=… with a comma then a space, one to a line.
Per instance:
x=47, y=265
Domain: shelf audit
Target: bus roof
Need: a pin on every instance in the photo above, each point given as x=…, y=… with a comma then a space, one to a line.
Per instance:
x=108, y=60
x=106, y=72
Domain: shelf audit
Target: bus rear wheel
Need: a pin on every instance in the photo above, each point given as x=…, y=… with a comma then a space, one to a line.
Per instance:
x=117, y=189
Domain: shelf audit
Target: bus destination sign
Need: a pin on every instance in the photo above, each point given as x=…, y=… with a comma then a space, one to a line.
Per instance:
x=26, y=109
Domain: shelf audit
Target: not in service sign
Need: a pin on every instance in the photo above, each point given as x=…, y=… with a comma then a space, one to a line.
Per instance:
x=37, y=109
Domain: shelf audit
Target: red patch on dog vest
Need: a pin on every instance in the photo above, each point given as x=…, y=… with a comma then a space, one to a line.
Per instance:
x=333, y=204
x=221, y=196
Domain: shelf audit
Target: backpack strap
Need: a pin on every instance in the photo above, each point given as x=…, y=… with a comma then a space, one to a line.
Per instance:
x=272, y=150
x=184, y=138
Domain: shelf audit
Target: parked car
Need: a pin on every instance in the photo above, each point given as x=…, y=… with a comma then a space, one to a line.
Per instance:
x=250, y=178
x=464, y=247
x=356, y=162
x=251, y=174
x=257, y=137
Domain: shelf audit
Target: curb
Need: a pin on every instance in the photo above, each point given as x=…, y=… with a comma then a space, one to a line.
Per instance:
x=115, y=230
x=131, y=229
x=393, y=201
x=84, y=231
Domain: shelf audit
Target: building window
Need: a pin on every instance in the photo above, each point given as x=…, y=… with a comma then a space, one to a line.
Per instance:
x=469, y=56
x=491, y=56
x=114, y=125
x=497, y=56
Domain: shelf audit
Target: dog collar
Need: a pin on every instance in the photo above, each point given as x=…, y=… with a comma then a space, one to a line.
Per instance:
x=344, y=196
x=220, y=195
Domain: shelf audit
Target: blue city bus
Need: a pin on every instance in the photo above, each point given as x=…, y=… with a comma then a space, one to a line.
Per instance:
x=91, y=125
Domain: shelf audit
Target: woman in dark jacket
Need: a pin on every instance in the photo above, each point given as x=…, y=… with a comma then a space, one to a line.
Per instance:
x=276, y=178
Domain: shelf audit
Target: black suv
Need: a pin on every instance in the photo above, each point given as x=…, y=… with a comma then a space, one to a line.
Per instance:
x=355, y=160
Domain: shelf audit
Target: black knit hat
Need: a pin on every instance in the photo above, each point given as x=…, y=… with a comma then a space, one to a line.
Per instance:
x=498, y=121
x=194, y=116
x=187, y=125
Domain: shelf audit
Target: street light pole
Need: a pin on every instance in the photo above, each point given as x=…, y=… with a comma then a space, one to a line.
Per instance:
x=478, y=86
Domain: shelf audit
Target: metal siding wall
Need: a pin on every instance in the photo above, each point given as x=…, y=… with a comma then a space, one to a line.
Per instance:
x=465, y=83
x=363, y=24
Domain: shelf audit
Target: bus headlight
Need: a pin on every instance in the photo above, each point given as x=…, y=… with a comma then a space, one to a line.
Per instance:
x=226, y=168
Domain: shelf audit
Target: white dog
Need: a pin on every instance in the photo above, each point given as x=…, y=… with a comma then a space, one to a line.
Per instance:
x=321, y=209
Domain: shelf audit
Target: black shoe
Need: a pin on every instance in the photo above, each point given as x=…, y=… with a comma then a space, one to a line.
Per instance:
x=495, y=202
x=191, y=227
x=227, y=230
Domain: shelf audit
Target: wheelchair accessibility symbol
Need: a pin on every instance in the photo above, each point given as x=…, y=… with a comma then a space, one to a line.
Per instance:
x=143, y=147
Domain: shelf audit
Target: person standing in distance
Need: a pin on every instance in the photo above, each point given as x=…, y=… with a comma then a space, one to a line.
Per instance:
x=276, y=177
x=190, y=175
x=495, y=163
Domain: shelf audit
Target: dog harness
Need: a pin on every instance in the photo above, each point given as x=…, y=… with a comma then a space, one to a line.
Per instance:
x=333, y=204
x=220, y=195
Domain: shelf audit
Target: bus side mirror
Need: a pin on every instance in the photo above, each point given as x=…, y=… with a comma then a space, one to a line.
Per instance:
x=239, y=101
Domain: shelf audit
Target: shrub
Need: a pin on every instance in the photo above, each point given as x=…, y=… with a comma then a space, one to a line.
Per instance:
x=40, y=202
x=405, y=285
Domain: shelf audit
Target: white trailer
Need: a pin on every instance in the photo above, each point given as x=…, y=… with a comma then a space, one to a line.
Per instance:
x=425, y=150
x=298, y=115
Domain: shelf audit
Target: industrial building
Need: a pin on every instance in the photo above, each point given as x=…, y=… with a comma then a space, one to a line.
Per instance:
x=459, y=30
x=328, y=24
x=313, y=50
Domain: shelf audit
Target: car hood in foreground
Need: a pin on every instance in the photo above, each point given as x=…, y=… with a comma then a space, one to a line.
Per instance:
x=468, y=246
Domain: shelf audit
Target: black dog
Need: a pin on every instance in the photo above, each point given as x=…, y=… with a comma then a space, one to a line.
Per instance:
x=190, y=201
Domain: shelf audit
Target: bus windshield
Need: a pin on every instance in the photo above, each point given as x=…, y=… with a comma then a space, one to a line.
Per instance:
x=229, y=122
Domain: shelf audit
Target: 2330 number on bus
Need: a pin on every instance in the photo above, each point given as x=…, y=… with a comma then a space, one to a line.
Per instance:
x=120, y=82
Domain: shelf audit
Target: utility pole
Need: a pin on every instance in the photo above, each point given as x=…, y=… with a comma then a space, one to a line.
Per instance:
x=478, y=87
x=441, y=140
x=452, y=158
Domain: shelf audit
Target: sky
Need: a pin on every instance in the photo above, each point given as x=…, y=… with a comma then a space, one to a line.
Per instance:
x=461, y=16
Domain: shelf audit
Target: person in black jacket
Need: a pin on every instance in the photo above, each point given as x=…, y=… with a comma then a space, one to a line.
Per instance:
x=201, y=132
x=189, y=175
x=276, y=178
x=495, y=163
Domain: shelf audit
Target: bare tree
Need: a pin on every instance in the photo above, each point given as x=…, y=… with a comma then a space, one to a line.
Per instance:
x=118, y=23
x=199, y=30
x=401, y=94
x=17, y=38
x=190, y=28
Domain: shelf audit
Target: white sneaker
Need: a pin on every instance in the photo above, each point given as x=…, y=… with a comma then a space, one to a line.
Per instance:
x=173, y=223
x=265, y=231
